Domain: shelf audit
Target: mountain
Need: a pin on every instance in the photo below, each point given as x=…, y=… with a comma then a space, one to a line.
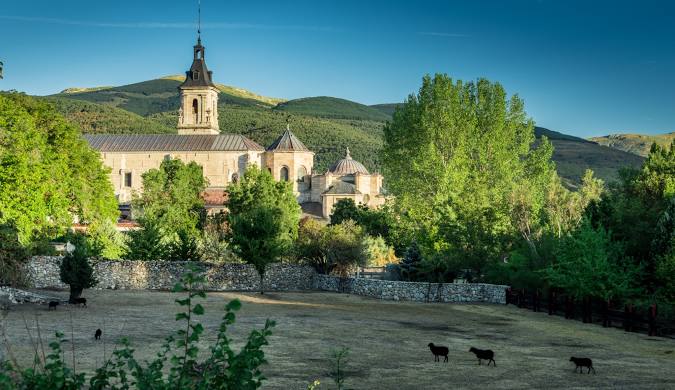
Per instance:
x=634, y=143
x=330, y=107
x=387, y=108
x=573, y=155
x=326, y=125
x=159, y=95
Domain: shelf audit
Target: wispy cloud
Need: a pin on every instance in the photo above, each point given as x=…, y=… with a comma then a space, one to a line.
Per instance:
x=443, y=34
x=165, y=25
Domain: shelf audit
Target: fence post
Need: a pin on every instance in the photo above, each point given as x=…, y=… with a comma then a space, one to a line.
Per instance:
x=627, y=318
x=551, y=302
x=536, y=304
x=652, y=319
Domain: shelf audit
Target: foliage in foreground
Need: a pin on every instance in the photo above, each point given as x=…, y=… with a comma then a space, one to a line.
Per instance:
x=176, y=366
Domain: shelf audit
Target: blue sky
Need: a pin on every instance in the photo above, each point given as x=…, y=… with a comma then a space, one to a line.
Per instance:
x=583, y=67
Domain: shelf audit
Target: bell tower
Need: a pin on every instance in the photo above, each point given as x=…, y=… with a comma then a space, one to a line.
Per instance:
x=198, y=113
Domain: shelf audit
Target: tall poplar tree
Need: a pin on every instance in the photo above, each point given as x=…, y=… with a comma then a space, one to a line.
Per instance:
x=455, y=157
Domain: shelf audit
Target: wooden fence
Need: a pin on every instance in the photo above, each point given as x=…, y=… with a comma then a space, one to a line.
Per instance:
x=609, y=314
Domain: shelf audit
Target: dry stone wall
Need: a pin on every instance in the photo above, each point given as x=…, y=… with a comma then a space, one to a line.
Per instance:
x=414, y=291
x=43, y=272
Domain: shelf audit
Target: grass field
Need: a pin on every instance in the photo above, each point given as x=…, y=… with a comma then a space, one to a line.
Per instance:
x=387, y=340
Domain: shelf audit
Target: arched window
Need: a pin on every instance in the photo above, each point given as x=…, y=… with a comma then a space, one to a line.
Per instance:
x=195, y=106
x=302, y=173
x=283, y=174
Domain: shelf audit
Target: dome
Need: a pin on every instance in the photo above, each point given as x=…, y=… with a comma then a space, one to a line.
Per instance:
x=348, y=166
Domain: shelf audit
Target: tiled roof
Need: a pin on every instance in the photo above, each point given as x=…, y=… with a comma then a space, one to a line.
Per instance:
x=288, y=142
x=348, y=166
x=170, y=142
x=342, y=188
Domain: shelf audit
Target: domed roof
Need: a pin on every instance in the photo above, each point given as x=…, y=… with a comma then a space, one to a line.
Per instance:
x=348, y=166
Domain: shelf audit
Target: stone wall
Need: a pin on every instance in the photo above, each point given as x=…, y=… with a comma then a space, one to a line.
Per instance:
x=43, y=272
x=413, y=291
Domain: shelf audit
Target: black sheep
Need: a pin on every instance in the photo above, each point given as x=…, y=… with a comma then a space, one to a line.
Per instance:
x=97, y=335
x=439, y=350
x=52, y=305
x=79, y=301
x=581, y=363
x=484, y=354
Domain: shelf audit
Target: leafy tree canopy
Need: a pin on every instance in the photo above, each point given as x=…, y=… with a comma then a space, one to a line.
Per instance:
x=49, y=174
x=171, y=198
x=263, y=218
x=454, y=157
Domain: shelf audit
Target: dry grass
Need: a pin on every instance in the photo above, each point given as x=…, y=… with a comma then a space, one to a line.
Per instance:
x=387, y=340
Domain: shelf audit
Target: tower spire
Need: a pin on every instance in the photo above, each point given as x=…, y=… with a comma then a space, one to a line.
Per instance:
x=199, y=22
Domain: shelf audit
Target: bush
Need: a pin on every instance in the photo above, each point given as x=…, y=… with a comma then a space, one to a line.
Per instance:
x=378, y=253
x=146, y=243
x=75, y=269
x=13, y=256
x=106, y=241
x=412, y=261
x=184, y=248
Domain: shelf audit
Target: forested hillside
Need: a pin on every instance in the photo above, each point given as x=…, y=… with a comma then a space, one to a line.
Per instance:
x=326, y=125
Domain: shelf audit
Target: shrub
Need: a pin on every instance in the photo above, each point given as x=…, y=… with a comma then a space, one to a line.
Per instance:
x=13, y=256
x=411, y=263
x=106, y=241
x=146, y=243
x=378, y=253
x=184, y=248
x=75, y=269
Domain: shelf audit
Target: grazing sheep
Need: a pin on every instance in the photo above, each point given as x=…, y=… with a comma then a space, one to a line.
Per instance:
x=439, y=350
x=79, y=301
x=484, y=354
x=581, y=363
x=53, y=304
x=97, y=335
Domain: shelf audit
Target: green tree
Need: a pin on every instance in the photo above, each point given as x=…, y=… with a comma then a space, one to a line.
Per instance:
x=378, y=253
x=344, y=248
x=588, y=264
x=343, y=210
x=106, y=241
x=454, y=156
x=184, y=248
x=263, y=218
x=49, y=173
x=146, y=243
x=410, y=265
x=75, y=269
x=13, y=256
x=172, y=198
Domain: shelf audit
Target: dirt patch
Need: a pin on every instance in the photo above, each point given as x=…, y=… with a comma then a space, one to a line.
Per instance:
x=387, y=340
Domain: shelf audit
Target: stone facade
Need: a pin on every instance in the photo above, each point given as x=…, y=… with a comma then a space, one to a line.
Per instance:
x=414, y=291
x=43, y=272
x=220, y=168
